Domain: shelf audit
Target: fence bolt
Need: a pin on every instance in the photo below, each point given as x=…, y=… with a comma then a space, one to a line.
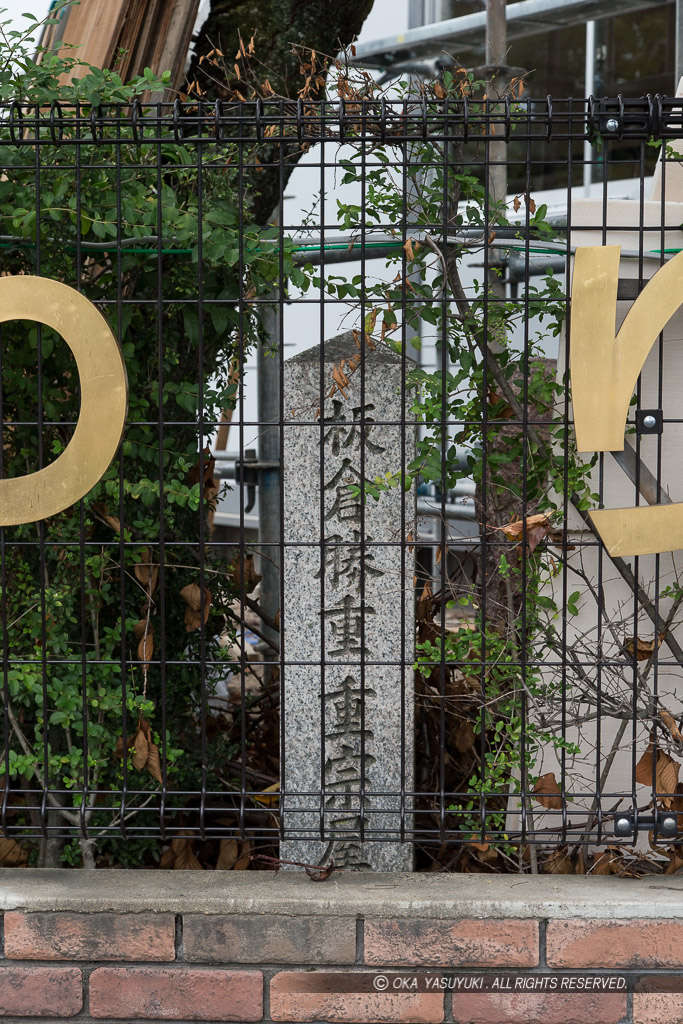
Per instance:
x=611, y=124
x=649, y=421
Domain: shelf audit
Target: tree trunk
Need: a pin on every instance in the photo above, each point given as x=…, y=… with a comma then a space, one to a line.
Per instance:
x=276, y=26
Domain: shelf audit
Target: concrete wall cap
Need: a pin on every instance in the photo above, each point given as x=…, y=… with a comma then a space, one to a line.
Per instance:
x=352, y=894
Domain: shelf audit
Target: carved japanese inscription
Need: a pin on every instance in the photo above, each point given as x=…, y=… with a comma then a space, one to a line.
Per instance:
x=347, y=758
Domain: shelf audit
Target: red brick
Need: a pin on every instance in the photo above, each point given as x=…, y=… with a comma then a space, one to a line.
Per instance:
x=638, y=943
x=656, y=1008
x=291, y=998
x=40, y=991
x=89, y=936
x=539, y=1008
x=254, y=939
x=157, y=993
x=452, y=943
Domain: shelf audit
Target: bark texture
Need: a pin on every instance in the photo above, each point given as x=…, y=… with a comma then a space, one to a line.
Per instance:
x=320, y=25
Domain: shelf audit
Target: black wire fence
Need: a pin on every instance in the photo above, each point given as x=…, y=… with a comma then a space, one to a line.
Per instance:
x=339, y=594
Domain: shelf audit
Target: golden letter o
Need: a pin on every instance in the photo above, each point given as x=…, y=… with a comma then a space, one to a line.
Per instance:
x=104, y=398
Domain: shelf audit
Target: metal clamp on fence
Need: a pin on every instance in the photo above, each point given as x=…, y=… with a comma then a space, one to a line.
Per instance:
x=245, y=471
x=662, y=824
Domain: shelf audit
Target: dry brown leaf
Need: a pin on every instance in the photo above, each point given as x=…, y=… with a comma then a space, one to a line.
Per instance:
x=146, y=647
x=408, y=247
x=192, y=595
x=558, y=863
x=537, y=527
x=665, y=773
x=245, y=857
x=146, y=573
x=606, y=862
x=140, y=750
x=547, y=792
x=670, y=723
x=229, y=853
x=153, y=763
x=500, y=410
x=464, y=736
x=102, y=513
x=516, y=203
x=180, y=856
x=244, y=570
x=530, y=203
x=644, y=648
x=675, y=864
x=270, y=797
x=12, y=854
x=210, y=487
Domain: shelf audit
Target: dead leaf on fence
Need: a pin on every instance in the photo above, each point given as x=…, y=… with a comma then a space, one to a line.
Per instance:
x=537, y=528
x=153, y=764
x=244, y=859
x=192, y=595
x=100, y=510
x=558, y=863
x=210, y=488
x=146, y=647
x=229, y=853
x=665, y=773
x=547, y=792
x=139, y=628
x=410, y=249
x=140, y=751
x=644, y=648
x=464, y=736
x=243, y=570
x=670, y=723
x=12, y=854
x=675, y=861
x=180, y=856
x=146, y=573
x=270, y=797
x=481, y=852
x=607, y=862
x=145, y=752
x=499, y=407
x=341, y=381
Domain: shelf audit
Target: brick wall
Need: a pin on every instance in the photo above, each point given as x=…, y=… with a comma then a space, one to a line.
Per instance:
x=214, y=954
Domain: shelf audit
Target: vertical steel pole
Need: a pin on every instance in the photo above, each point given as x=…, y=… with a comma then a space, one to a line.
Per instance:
x=496, y=85
x=496, y=59
x=268, y=370
x=589, y=90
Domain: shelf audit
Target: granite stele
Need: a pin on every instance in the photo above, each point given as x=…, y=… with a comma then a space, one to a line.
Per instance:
x=348, y=611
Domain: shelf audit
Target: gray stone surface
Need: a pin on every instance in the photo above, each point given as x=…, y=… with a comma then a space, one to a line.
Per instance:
x=348, y=894
x=354, y=616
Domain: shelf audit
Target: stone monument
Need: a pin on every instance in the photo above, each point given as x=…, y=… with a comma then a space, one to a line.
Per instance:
x=348, y=619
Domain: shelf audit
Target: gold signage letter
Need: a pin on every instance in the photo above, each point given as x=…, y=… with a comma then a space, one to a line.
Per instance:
x=103, y=388
x=604, y=372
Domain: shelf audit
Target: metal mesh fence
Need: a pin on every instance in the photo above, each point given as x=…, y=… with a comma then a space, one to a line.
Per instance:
x=340, y=592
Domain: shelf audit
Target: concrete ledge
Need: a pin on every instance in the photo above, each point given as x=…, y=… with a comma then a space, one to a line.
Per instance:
x=350, y=894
